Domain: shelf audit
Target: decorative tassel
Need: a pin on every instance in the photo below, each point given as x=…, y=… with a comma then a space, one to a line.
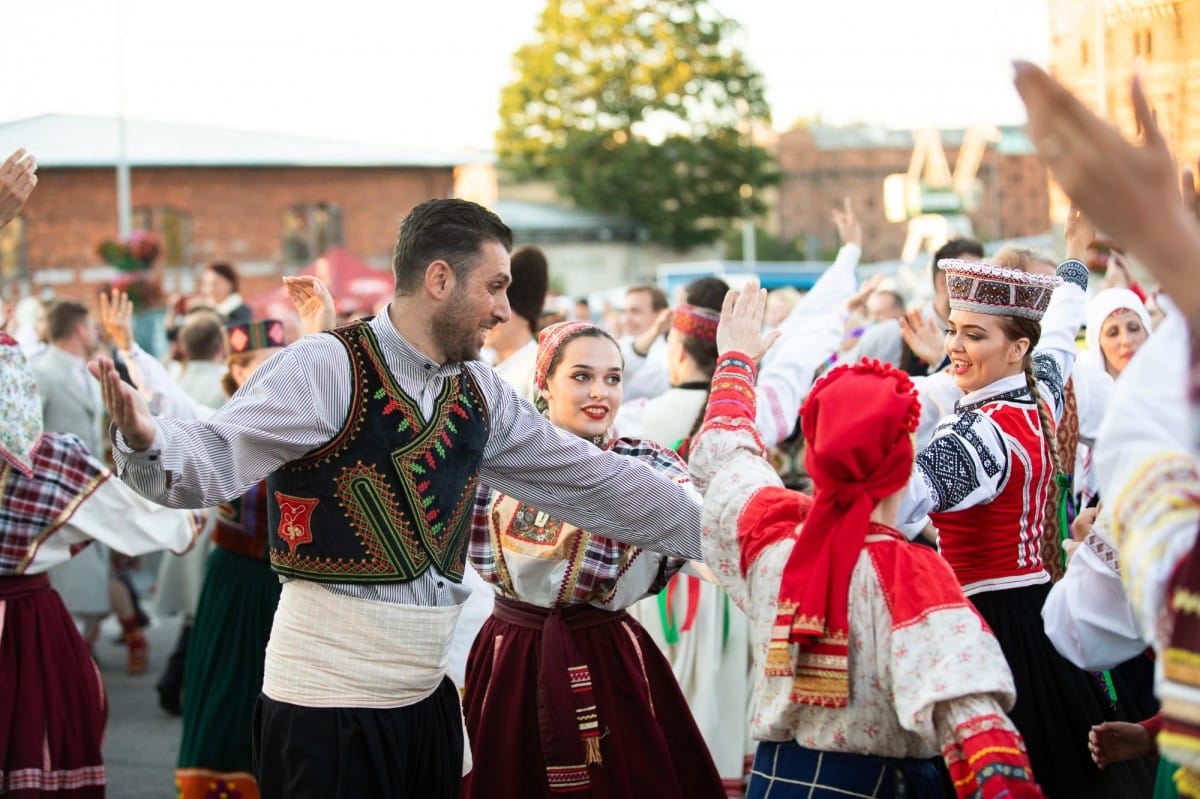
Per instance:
x=1187, y=783
x=1065, y=512
x=591, y=751
x=665, y=616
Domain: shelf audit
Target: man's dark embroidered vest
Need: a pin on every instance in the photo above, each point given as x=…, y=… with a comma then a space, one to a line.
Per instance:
x=242, y=523
x=390, y=495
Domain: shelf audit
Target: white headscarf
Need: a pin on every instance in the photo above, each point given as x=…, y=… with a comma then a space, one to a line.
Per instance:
x=20, y=407
x=1099, y=309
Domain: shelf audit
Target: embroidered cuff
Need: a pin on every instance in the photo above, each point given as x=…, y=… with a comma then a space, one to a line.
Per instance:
x=1072, y=271
x=732, y=392
x=990, y=763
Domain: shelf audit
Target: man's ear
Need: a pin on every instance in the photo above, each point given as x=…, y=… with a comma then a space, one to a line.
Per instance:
x=440, y=279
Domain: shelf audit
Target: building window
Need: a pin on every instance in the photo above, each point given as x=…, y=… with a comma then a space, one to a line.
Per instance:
x=12, y=251
x=1142, y=43
x=172, y=227
x=309, y=229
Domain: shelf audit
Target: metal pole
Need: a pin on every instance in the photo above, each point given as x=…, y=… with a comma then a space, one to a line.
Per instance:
x=1098, y=35
x=124, y=215
x=749, y=246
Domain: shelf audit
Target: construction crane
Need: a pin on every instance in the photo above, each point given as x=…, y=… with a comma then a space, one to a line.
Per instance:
x=932, y=199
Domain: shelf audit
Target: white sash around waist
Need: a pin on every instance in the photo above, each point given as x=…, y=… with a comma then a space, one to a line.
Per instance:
x=329, y=650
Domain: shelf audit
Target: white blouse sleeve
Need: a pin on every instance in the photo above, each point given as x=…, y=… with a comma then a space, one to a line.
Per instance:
x=118, y=516
x=966, y=464
x=1147, y=473
x=1087, y=615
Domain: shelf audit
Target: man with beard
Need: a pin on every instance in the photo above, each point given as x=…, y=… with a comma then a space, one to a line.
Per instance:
x=372, y=438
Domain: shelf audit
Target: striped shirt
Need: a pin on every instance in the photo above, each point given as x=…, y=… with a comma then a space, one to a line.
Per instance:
x=299, y=399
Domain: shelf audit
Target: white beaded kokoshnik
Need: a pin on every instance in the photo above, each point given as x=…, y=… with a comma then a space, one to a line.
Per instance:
x=989, y=289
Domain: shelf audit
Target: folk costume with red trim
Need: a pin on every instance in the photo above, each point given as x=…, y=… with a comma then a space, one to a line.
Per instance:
x=55, y=499
x=984, y=479
x=561, y=665
x=872, y=662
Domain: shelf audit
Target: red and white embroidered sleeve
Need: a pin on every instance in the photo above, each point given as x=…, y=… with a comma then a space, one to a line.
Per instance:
x=986, y=758
x=729, y=465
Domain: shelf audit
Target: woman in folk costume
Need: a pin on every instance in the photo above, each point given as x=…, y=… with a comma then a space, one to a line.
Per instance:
x=565, y=692
x=55, y=499
x=1117, y=327
x=223, y=673
x=1152, y=482
x=984, y=480
x=869, y=660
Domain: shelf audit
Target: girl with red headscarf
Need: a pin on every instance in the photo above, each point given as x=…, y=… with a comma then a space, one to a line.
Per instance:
x=869, y=659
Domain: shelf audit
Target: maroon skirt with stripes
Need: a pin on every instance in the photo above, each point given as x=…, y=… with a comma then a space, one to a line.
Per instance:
x=528, y=708
x=52, y=703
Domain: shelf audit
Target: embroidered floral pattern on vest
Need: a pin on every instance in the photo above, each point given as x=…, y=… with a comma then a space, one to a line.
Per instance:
x=407, y=506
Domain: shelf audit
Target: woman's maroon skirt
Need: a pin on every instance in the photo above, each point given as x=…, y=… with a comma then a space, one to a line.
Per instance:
x=649, y=743
x=52, y=704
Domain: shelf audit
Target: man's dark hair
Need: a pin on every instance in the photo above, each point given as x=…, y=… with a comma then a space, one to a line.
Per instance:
x=202, y=335
x=450, y=230
x=658, y=297
x=62, y=316
x=706, y=292
x=955, y=248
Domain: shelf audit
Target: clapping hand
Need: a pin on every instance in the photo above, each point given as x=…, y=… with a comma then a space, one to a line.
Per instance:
x=116, y=315
x=742, y=316
x=848, y=225
x=923, y=337
x=313, y=302
x=18, y=176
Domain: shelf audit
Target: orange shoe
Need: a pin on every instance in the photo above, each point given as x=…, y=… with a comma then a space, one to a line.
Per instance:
x=139, y=652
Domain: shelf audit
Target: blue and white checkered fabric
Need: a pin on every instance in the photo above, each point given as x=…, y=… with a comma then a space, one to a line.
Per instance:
x=789, y=771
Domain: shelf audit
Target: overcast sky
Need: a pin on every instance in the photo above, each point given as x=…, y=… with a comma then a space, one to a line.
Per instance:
x=430, y=73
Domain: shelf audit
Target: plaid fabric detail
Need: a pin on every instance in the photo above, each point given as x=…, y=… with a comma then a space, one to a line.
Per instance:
x=33, y=509
x=602, y=560
x=785, y=769
x=52, y=782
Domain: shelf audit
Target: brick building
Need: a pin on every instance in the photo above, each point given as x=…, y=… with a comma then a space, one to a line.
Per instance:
x=264, y=202
x=1095, y=45
x=820, y=165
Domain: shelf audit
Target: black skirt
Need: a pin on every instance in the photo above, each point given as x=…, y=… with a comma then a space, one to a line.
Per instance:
x=1057, y=704
x=413, y=752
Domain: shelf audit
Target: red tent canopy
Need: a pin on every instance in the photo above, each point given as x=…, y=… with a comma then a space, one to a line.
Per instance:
x=354, y=284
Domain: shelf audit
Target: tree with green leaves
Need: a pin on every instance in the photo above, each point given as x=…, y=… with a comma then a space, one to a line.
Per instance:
x=642, y=108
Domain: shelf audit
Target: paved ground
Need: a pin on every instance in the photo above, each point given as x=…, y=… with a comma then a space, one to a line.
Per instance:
x=142, y=741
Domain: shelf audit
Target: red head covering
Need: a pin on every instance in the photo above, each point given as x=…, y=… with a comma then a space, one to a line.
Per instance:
x=550, y=341
x=692, y=320
x=857, y=423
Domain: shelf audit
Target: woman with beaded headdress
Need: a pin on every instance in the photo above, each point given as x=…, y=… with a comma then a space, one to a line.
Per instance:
x=984, y=479
x=869, y=660
x=565, y=692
